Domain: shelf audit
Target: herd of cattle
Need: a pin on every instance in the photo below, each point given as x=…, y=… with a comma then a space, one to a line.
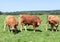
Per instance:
x=35, y=21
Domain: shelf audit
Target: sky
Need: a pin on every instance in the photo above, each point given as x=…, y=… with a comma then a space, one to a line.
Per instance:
x=28, y=5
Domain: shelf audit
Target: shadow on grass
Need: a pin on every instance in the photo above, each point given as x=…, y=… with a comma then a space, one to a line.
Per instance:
x=53, y=29
x=16, y=31
x=32, y=30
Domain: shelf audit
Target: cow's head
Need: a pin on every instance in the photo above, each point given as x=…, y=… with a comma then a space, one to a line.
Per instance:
x=13, y=27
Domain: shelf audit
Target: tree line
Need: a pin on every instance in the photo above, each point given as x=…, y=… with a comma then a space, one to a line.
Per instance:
x=53, y=12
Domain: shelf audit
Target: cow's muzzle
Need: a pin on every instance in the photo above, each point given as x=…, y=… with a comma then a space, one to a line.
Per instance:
x=12, y=28
x=38, y=24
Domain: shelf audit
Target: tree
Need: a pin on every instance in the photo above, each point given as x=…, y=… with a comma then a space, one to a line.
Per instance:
x=0, y=13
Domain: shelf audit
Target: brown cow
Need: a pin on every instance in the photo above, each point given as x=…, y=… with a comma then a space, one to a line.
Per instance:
x=11, y=22
x=53, y=20
x=29, y=20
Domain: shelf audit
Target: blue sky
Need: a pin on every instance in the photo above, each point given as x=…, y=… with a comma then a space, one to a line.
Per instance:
x=28, y=5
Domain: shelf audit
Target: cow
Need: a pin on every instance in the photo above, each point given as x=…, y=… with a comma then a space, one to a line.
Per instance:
x=29, y=20
x=11, y=22
x=53, y=20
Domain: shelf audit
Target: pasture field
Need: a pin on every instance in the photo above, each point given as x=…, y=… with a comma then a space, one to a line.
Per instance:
x=41, y=35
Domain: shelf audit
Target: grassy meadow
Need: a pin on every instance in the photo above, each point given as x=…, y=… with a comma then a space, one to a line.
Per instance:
x=41, y=35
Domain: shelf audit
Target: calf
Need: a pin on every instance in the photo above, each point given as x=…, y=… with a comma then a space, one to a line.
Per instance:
x=29, y=20
x=53, y=20
x=11, y=22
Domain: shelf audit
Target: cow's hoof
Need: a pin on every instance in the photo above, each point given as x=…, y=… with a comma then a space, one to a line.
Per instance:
x=52, y=30
x=56, y=30
x=34, y=31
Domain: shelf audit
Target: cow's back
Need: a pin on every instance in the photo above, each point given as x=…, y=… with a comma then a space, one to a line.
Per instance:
x=10, y=20
x=53, y=18
x=26, y=18
x=29, y=19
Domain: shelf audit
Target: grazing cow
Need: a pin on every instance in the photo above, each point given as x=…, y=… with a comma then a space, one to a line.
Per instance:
x=53, y=20
x=29, y=20
x=11, y=22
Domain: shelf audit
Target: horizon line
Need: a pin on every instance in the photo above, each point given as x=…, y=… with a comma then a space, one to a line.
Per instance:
x=30, y=10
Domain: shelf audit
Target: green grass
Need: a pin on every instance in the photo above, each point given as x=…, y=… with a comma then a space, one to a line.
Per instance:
x=41, y=35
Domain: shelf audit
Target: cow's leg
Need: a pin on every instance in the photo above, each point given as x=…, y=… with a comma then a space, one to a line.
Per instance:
x=15, y=29
x=52, y=27
x=25, y=28
x=21, y=27
x=9, y=29
x=20, y=22
x=56, y=28
x=47, y=25
x=34, y=28
x=4, y=26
